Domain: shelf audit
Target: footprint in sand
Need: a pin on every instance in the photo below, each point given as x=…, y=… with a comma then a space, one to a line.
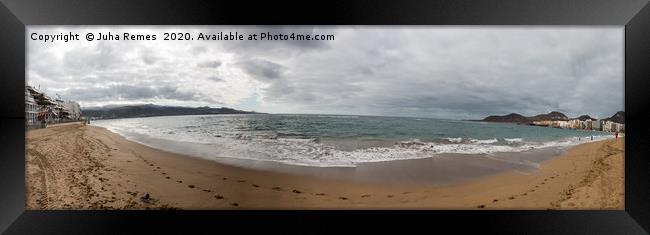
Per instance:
x=191, y=186
x=365, y=195
x=320, y=194
x=296, y=191
x=389, y=195
x=224, y=178
x=207, y=190
x=218, y=197
x=343, y=198
x=255, y=185
x=167, y=177
x=179, y=181
x=511, y=197
x=277, y=188
x=495, y=200
x=480, y=206
x=234, y=204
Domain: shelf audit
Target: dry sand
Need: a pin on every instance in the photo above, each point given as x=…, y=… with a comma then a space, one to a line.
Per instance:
x=85, y=167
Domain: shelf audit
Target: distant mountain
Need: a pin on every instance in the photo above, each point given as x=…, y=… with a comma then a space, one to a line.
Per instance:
x=618, y=117
x=585, y=117
x=151, y=110
x=513, y=117
x=517, y=118
x=552, y=116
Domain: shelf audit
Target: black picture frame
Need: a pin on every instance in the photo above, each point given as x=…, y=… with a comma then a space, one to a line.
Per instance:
x=15, y=15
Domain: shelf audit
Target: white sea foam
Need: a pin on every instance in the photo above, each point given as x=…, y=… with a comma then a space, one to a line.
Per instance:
x=513, y=140
x=454, y=140
x=309, y=151
x=489, y=141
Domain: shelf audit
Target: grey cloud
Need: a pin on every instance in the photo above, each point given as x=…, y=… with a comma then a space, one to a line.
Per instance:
x=261, y=69
x=127, y=92
x=197, y=50
x=447, y=72
x=276, y=47
x=209, y=64
x=149, y=56
x=102, y=57
x=215, y=78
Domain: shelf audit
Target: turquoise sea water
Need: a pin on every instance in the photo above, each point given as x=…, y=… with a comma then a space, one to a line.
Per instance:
x=337, y=140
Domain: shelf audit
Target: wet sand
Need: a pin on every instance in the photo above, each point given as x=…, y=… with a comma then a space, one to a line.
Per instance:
x=85, y=167
x=440, y=170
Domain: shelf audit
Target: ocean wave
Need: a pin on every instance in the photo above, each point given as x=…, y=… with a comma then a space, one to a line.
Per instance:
x=299, y=149
x=513, y=140
x=489, y=141
x=454, y=140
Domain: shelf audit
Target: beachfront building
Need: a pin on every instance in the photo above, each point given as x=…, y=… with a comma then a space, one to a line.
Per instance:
x=45, y=111
x=607, y=126
x=61, y=110
x=610, y=126
x=51, y=110
x=551, y=123
x=574, y=124
x=74, y=110
x=31, y=109
x=596, y=125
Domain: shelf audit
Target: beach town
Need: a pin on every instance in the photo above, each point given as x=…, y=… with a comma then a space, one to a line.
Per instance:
x=380, y=118
x=614, y=124
x=42, y=109
x=78, y=166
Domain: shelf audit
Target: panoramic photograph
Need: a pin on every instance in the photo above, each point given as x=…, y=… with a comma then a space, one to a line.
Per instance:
x=324, y=117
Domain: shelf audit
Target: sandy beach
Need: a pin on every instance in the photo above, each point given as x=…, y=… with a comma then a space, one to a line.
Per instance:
x=75, y=166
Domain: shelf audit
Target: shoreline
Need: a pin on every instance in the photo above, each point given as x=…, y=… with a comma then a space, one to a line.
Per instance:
x=97, y=169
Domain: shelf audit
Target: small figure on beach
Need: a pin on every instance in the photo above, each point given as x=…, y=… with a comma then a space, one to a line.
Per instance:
x=592, y=137
x=616, y=135
x=146, y=197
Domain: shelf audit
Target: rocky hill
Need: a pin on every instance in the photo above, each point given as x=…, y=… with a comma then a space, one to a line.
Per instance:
x=585, y=117
x=618, y=117
x=518, y=118
x=513, y=117
x=552, y=116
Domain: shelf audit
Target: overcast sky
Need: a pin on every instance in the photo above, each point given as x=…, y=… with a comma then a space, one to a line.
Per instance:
x=441, y=72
